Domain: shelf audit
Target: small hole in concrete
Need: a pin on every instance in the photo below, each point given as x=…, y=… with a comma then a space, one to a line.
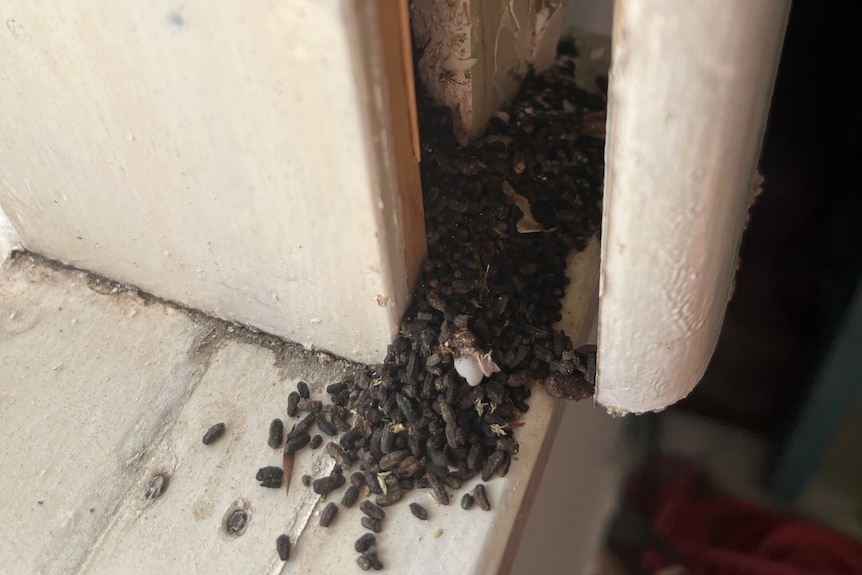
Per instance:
x=237, y=518
x=157, y=485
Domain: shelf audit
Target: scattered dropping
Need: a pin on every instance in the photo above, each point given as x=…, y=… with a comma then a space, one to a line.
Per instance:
x=282, y=545
x=213, y=433
x=297, y=442
x=270, y=476
x=372, y=559
x=303, y=390
x=365, y=542
x=326, y=485
x=328, y=514
x=438, y=489
x=276, y=433
x=371, y=524
x=481, y=497
x=351, y=494
x=325, y=426
x=418, y=511
x=466, y=501
x=372, y=510
x=292, y=404
x=315, y=441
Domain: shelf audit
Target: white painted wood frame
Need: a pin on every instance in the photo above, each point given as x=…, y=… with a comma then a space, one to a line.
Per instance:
x=690, y=87
x=256, y=160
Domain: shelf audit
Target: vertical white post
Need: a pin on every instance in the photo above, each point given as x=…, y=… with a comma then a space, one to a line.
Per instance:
x=690, y=86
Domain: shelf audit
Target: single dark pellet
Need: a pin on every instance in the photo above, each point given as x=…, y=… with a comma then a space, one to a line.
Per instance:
x=297, y=442
x=213, y=433
x=418, y=511
x=269, y=472
x=315, y=441
x=306, y=480
x=357, y=479
x=466, y=501
x=481, y=497
x=363, y=562
x=365, y=542
x=325, y=426
x=303, y=390
x=276, y=433
x=326, y=485
x=372, y=510
x=292, y=404
x=351, y=494
x=328, y=514
x=371, y=524
x=270, y=476
x=282, y=545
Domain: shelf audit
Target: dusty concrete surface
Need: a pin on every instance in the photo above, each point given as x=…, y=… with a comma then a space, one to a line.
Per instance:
x=102, y=387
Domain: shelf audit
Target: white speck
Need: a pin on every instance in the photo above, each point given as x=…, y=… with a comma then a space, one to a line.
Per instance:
x=315, y=320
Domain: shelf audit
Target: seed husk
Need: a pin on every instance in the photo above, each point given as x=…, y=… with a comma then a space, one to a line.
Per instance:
x=213, y=433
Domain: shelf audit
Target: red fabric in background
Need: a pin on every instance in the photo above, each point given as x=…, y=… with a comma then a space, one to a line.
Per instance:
x=717, y=535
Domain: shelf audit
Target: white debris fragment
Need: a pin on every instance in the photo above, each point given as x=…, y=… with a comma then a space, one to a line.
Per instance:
x=475, y=366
